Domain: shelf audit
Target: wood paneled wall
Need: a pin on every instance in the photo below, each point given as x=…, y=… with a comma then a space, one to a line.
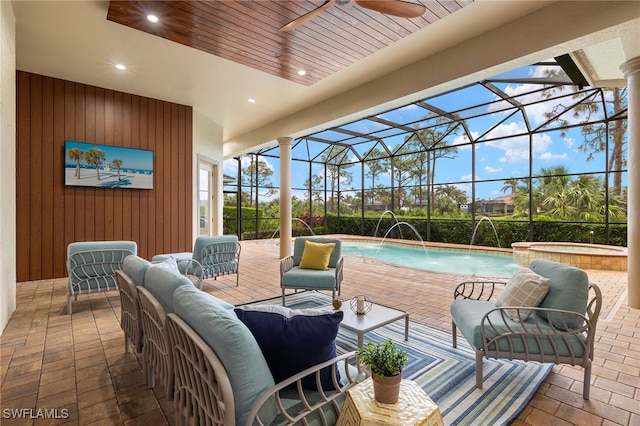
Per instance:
x=51, y=215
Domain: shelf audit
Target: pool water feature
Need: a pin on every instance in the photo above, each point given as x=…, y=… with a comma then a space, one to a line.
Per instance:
x=438, y=260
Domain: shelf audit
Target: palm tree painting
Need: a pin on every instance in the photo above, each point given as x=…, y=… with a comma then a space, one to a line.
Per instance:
x=76, y=155
x=134, y=166
x=94, y=157
x=117, y=163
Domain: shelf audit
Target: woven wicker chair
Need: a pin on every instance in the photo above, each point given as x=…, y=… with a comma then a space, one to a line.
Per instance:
x=130, y=316
x=156, y=349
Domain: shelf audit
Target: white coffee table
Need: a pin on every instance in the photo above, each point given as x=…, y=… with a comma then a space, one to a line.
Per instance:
x=378, y=316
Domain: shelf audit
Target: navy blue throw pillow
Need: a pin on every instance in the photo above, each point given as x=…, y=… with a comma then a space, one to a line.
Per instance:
x=293, y=340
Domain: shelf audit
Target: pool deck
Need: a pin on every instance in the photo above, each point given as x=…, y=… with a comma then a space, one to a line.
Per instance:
x=53, y=360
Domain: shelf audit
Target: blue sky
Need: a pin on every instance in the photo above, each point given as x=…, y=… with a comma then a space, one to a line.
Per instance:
x=495, y=160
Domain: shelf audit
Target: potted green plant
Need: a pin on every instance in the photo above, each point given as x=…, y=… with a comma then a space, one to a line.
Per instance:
x=386, y=362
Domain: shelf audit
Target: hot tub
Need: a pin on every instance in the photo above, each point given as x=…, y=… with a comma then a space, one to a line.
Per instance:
x=584, y=256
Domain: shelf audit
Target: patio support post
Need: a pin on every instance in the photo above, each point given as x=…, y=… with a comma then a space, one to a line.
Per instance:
x=285, y=196
x=631, y=70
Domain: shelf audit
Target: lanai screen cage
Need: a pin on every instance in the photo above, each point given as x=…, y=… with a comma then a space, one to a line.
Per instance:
x=543, y=158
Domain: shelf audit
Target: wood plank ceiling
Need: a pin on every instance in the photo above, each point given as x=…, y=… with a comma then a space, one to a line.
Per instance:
x=247, y=32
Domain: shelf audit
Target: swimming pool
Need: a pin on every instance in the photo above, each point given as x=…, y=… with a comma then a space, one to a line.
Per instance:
x=451, y=261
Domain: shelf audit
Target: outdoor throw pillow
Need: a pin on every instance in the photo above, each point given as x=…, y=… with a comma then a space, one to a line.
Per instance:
x=170, y=264
x=524, y=288
x=293, y=340
x=316, y=255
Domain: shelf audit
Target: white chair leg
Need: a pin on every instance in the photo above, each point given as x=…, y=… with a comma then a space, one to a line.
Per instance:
x=69, y=303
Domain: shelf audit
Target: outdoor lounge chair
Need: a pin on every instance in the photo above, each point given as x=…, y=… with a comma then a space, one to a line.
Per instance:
x=560, y=330
x=295, y=275
x=212, y=256
x=92, y=265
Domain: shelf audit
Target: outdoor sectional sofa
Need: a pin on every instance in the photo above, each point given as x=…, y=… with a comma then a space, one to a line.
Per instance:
x=220, y=374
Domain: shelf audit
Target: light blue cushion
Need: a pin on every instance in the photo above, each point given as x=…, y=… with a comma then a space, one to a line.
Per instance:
x=101, y=245
x=201, y=242
x=192, y=289
x=136, y=267
x=309, y=278
x=232, y=342
x=161, y=283
x=177, y=256
x=468, y=314
x=569, y=290
x=298, y=248
x=293, y=340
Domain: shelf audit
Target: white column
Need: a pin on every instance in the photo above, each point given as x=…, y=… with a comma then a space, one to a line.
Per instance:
x=631, y=70
x=285, y=196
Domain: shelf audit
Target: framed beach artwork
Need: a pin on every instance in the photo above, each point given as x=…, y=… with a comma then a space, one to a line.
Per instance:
x=104, y=166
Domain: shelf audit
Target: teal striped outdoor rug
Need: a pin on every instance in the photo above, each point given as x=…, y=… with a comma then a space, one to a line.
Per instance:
x=445, y=373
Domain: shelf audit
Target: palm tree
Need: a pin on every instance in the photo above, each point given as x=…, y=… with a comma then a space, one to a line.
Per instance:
x=76, y=155
x=596, y=135
x=94, y=157
x=117, y=163
x=510, y=184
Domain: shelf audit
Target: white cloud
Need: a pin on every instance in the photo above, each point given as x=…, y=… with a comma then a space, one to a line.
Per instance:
x=516, y=148
x=548, y=156
x=230, y=166
x=570, y=142
x=468, y=177
x=536, y=106
x=463, y=139
x=490, y=169
x=246, y=161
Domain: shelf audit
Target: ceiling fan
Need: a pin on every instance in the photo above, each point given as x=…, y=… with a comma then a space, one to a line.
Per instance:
x=401, y=8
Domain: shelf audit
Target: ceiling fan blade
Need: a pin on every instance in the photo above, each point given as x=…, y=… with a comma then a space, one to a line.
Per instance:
x=403, y=9
x=307, y=16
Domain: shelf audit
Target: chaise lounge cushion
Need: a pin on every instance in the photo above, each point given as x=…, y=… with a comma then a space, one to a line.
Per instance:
x=569, y=290
x=232, y=342
x=292, y=340
x=136, y=267
x=524, y=289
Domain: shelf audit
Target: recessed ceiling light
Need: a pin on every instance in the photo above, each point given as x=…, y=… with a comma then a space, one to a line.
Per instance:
x=152, y=18
x=251, y=101
x=302, y=72
x=121, y=67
